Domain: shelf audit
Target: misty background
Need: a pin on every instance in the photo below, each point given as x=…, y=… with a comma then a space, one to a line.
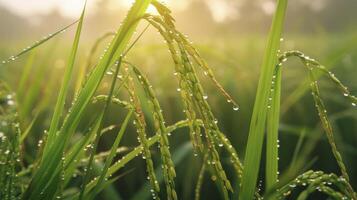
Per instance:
x=198, y=18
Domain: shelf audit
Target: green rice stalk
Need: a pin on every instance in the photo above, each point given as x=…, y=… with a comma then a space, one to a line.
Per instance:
x=273, y=120
x=258, y=121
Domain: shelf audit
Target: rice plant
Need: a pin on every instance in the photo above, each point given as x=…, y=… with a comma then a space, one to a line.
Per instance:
x=64, y=169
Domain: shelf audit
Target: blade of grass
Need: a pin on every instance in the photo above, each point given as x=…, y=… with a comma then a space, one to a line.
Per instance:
x=271, y=169
x=37, y=43
x=257, y=125
x=63, y=93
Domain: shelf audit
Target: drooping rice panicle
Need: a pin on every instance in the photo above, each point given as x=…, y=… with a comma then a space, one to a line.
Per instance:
x=329, y=132
x=312, y=64
x=172, y=35
x=186, y=77
x=210, y=122
x=159, y=123
x=140, y=124
x=195, y=132
x=169, y=37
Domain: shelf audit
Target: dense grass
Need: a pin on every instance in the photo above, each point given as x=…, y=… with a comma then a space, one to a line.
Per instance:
x=67, y=162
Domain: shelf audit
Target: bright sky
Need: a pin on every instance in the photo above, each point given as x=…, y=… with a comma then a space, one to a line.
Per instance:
x=220, y=9
x=69, y=8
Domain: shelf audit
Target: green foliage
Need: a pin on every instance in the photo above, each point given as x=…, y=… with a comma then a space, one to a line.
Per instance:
x=70, y=166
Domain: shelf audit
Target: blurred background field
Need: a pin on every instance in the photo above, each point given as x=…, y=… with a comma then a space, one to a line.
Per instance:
x=231, y=36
